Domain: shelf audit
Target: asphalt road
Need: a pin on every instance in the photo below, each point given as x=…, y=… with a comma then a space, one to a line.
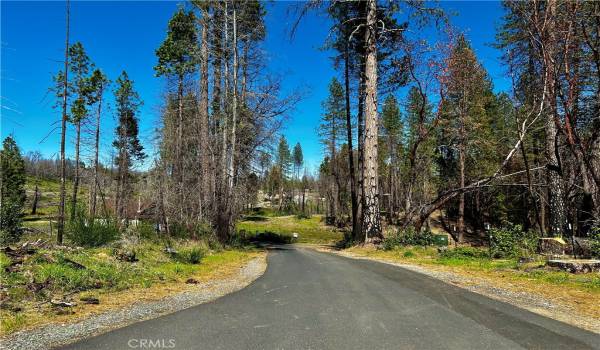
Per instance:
x=312, y=300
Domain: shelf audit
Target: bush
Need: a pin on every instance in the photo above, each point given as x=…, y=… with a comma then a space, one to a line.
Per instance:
x=408, y=237
x=464, y=253
x=193, y=255
x=271, y=237
x=346, y=242
x=408, y=254
x=178, y=230
x=10, y=223
x=84, y=231
x=302, y=215
x=146, y=230
x=511, y=241
x=595, y=242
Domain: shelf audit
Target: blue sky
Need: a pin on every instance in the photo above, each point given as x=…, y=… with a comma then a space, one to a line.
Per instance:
x=124, y=35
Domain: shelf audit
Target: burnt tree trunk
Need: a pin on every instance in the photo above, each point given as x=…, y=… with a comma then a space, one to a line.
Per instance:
x=371, y=215
x=353, y=197
x=76, y=179
x=63, y=131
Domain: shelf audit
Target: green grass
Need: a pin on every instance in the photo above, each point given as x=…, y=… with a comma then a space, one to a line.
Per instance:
x=12, y=322
x=49, y=190
x=104, y=274
x=310, y=230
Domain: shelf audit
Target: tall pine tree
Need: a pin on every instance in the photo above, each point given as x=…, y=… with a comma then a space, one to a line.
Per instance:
x=12, y=194
x=127, y=143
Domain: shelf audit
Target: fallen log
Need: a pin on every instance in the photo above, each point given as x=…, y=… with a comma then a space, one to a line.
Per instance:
x=575, y=265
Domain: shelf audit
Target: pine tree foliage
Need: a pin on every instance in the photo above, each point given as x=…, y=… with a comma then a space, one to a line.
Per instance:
x=127, y=143
x=12, y=194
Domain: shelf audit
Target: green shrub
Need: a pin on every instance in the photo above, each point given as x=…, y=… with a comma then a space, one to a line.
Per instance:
x=302, y=215
x=146, y=230
x=464, y=253
x=177, y=230
x=346, y=242
x=595, y=242
x=193, y=255
x=236, y=240
x=186, y=231
x=408, y=237
x=84, y=231
x=12, y=181
x=408, y=254
x=10, y=222
x=511, y=241
x=270, y=237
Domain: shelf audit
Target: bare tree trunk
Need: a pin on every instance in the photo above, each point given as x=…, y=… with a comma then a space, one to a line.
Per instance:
x=303, y=198
x=217, y=110
x=353, y=197
x=334, y=173
x=371, y=215
x=96, y=155
x=530, y=189
x=393, y=180
x=122, y=173
x=245, y=71
x=231, y=165
x=179, y=160
x=63, y=163
x=76, y=180
x=461, y=174
x=204, y=128
x=226, y=100
x=122, y=187
x=558, y=215
x=360, y=153
x=36, y=196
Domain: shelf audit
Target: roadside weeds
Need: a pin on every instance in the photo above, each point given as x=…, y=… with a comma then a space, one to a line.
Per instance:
x=149, y=303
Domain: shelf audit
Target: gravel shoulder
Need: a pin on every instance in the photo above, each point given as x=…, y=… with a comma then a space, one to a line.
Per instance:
x=532, y=302
x=54, y=335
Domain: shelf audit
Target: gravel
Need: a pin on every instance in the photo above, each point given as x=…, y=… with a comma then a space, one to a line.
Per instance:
x=54, y=335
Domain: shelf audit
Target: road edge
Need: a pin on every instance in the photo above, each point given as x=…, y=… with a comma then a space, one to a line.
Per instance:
x=524, y=300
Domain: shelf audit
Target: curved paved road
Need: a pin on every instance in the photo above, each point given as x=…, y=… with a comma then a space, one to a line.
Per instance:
x=312, y=300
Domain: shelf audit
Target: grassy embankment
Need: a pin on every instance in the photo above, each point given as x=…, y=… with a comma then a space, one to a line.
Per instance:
x=581, y=290
x=29, y=281
x=310, y=230
x=76, y=274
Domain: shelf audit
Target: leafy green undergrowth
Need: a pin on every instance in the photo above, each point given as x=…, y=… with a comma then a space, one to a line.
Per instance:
x=310, y=230
x=57, y=273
